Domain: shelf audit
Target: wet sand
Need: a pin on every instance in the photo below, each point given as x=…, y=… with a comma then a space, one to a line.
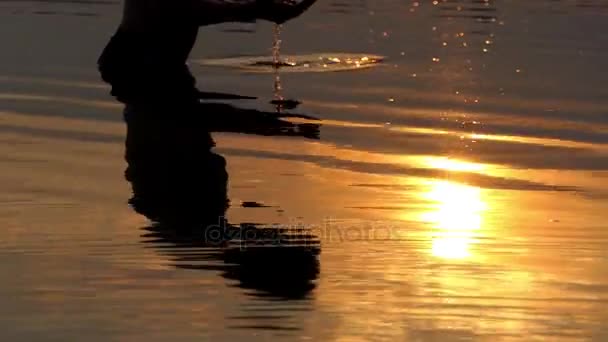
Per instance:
x=458, y=188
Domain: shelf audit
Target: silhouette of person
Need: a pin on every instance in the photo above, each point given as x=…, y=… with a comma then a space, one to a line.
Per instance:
x=145, y=61
x=178, y=182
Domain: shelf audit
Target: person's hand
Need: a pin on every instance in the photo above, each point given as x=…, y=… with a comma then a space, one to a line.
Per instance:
x=280, y=11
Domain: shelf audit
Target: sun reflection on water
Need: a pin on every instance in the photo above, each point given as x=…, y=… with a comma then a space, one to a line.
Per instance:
x=450, y=164
x=456, y=217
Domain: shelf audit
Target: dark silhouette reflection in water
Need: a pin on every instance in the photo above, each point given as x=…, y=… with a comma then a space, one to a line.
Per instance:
x=180, y=184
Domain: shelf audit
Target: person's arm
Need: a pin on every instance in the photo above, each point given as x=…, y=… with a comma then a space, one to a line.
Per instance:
x=280, y=11
x=209, y=12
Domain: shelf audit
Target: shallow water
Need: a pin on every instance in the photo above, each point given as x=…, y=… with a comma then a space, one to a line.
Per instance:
x=458, y=188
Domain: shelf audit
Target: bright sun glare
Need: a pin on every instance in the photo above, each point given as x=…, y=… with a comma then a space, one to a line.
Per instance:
x=450, y=164
x=457, y=215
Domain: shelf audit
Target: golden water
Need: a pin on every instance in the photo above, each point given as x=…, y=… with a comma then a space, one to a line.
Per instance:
x=458, y=188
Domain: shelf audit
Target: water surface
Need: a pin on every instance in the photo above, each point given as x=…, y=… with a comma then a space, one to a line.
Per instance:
x=458, y=188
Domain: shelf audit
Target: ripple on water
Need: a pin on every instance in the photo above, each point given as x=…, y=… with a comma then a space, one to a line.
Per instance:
x=320, y=62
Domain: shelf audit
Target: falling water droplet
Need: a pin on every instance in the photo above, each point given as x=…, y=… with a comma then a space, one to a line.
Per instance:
x=276, y=62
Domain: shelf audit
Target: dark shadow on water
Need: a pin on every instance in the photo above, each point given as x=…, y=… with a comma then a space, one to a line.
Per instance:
x=269, y=269
x=180, y=184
